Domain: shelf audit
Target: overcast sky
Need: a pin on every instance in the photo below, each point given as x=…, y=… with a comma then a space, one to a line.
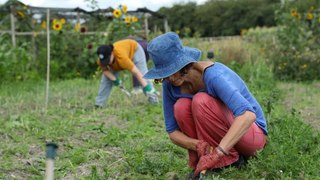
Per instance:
x=153, y=5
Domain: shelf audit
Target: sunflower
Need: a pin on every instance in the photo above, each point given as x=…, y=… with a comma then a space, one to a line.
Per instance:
x=125, y=9
x=294, y=13
x=127, y=19
x=134, y=19
x=309, y=16
x=44, y=24
x=21, y=14
x=77, y=27
x=89, y=46
x=57, y=26
x=63, y=21
x=83, y=29
x=117, y=13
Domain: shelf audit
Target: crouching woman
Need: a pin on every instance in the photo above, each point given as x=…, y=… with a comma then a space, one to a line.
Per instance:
x=208, y=109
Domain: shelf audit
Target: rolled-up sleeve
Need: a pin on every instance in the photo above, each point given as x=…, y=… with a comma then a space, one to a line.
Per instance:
x=229, y=92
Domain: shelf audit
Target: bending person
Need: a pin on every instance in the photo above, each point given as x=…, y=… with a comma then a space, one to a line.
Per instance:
x=122, y=55
x=208, y=109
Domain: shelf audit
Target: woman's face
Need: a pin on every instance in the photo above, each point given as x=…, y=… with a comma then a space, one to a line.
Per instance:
x=175, y=79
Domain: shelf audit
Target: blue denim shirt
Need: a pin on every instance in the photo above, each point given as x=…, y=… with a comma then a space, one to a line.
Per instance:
x=220, y=82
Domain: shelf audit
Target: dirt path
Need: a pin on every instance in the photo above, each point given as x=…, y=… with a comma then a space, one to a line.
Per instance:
x=305, y=99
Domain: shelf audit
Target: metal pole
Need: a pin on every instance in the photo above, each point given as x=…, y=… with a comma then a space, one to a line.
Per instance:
x=48, y=59
x=50, y=155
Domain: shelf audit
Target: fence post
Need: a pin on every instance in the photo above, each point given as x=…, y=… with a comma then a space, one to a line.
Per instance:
x=48, y=59
x=13, y=27
x=146, y=26
x=166, y=27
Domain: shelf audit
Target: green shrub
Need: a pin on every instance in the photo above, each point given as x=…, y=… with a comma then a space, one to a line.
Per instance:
x=296, y=55
x=16, y=63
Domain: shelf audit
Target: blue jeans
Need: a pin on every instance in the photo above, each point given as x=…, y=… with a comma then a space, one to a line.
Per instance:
x=139, y=60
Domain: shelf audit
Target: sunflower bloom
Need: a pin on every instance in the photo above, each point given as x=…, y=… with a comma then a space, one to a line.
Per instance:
x=21, y=14
x=294, y=13
x=89, y=46
x=83, y=29
x=309, y=16
x=127, y=19
x=62, y=21
x=57, y=26
x=77, y=27
x=44, y=24
x=125, y=9
x=134, y=19
x=117, y=13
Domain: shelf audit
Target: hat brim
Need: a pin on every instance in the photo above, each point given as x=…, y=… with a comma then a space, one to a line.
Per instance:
x=190, y=55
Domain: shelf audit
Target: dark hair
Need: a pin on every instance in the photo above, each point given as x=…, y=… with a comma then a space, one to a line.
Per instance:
x=104, y=53
x=185, y=69
x=158, y=81
x=182, y=72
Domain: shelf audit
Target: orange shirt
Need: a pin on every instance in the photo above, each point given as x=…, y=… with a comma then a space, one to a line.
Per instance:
x=123, y=52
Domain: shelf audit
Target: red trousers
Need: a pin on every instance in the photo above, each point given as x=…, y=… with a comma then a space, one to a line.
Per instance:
x=206, y=118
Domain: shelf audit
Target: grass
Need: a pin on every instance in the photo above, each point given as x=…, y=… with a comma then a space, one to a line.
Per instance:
x=117, y=141
x=127, y=140
x=304, y=99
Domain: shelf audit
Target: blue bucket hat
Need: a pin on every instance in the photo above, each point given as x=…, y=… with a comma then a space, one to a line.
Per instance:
x=169, y=55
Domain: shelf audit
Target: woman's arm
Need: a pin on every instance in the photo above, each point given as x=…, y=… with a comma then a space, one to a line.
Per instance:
x=227, y=88
x=182, y=140
x=238, y=128
x=136, y=73
x=109, y=75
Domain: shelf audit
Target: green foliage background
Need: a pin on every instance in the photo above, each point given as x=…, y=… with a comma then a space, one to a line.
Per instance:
x=292, y=50
x=73, y=52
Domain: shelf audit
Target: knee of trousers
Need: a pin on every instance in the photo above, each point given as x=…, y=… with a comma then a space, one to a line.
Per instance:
x=182, y=108
x=203, y=103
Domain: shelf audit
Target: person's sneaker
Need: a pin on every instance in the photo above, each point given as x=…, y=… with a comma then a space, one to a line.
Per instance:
x=190, y=176
x=98, y=107
x=240, y=163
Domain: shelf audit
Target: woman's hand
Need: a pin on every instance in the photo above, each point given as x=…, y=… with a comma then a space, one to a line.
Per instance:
x=203, y=148
x=209, y=161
